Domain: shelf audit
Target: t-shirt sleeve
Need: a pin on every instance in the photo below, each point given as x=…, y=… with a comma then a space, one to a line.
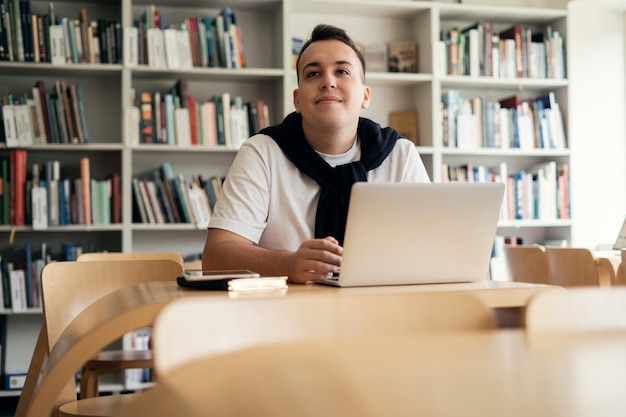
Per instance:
x=242, y=206
x=413, y=166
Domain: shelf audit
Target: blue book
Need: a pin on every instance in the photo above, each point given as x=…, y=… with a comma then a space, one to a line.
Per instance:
x=28, y=273
x=81, y=112
x=67, y=251
x=69, y=23
x=62, y=208
x=210, y=42
x=169, y=119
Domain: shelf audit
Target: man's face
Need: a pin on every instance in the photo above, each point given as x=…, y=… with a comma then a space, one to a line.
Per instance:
x=331, y=91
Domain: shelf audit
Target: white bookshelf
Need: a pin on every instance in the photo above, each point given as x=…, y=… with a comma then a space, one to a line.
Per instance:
x=267, y=28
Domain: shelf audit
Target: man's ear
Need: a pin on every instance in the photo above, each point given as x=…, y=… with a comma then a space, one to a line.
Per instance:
x=295, y=100
x=367, y=97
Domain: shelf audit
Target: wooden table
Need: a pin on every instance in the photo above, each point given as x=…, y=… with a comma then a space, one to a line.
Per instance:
x=118, y=313
x=482, y=374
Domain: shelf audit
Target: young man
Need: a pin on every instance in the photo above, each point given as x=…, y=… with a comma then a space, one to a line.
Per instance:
x=283, y=205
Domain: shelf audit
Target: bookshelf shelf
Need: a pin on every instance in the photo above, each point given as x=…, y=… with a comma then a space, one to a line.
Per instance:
x=66, y=70
x=84, y=147
x=215, y=74
x=517, y=224
x=509, y=153
x=163, y=227
x=374, y=8
x=64, y=228
x=182, y=149
x=504, y=14
x=457, y=81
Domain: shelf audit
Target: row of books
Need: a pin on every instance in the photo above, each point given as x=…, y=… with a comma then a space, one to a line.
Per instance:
x=48, y=116
x=20, y=287
x=198, y=41
x=57, y=201
x=470, y=123
x=43, y=198
x=177, y=118
x=519, y=51
x=138, y=339
x=165, y=197
x=540, y=192
x=29, y=37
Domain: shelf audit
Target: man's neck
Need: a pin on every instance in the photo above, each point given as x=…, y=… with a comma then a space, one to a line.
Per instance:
x=330, y=142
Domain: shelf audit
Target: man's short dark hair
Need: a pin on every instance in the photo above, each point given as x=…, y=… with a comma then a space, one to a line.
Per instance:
x=324, y=32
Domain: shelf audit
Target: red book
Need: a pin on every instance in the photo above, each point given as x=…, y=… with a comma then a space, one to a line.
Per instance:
x=116, y=198
x=510, y=102
x=191, y=105
x=192, y=28
x=17, y=160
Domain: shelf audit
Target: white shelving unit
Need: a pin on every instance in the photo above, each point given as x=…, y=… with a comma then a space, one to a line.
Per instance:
x=267, y=29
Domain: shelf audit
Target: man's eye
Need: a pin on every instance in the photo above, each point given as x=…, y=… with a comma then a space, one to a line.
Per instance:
x=343, y=72
x=312, y=74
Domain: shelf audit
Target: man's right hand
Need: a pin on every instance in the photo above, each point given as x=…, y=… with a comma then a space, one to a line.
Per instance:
x=315, y=259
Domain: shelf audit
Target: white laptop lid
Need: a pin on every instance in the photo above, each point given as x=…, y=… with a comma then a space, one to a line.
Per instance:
x=419, y=233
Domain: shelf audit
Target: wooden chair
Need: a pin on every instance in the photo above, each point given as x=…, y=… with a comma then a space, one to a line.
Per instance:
x=577, y=310
x=527, y=263
x=190, y=329
x=66, y=289
x=116, y=361
x=620, y=275
x=577, y=267
x=125, y=256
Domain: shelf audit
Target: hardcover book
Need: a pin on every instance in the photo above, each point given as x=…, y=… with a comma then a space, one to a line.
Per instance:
x=376, y=58
x=405, y=122
x=402, y=56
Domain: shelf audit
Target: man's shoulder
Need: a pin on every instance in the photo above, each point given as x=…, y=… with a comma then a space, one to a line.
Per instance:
x=261, y=141
x=404, y=145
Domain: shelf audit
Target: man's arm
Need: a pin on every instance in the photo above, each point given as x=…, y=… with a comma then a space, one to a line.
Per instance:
x=315, y=259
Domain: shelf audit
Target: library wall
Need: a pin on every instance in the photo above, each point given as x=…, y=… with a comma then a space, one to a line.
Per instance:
x=597, y=116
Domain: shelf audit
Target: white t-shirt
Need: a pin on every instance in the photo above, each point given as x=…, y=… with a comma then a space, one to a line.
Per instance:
x=267, y=200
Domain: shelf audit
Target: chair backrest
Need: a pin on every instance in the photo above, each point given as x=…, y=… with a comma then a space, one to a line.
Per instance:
x=527, y=263
x=620, y=276
x=193, y=328
x=67, y=288
x=572, y=267
x=577, y=309
x=127, y=256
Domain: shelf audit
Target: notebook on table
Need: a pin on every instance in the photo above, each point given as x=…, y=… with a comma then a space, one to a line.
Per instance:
x=419, y=233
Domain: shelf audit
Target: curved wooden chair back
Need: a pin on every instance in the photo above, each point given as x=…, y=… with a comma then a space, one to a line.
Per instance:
x=577, y=310
x=67, y=288
x=126, y=256
x=527, y=263
x=620, y=276
x=577, y=267
x=192, y=328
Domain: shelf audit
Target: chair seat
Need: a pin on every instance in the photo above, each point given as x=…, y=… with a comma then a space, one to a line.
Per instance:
x=110, y=362
x=121, y=359
x=105, y=406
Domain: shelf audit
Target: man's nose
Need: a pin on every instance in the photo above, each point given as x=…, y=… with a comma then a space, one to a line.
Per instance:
x=328, y=81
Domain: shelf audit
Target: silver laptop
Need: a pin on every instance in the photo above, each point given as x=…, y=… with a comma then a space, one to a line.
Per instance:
x=419, y=233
